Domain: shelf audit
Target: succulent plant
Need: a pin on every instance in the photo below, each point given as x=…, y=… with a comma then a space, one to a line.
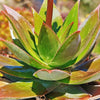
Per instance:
x=51, y=57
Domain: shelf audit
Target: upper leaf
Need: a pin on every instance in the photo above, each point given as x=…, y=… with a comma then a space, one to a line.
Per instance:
x=56, y=18
x=72, y=17
x=89, y=41
x=67, y=50
x=38, y=21
x=48, y=43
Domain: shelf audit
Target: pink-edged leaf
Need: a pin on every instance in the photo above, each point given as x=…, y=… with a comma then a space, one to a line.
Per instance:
x=66, y=33
x=5, y=61
x=51, y=75
x=18, y=90
x=38, y=21
x=25, y=57
x=87, y=26
x=72, y=17
x=67, y=50
x=48, y=43
x=68, y=92
x=23, y=30
x=88, y=43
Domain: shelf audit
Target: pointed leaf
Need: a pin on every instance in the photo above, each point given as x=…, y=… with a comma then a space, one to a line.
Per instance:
x=48, y=43
x=67, y=51
x=22, y=55
x=5, y=61
x=64, y=92
x=66, y=33
x=15, y=37
x=38, y=21
x=56, y=18
x=41, y=87
x=51, y=75
x=88, y=43
x=23, y=30
x=87, y=26
x=72, y=17
x=17, y=90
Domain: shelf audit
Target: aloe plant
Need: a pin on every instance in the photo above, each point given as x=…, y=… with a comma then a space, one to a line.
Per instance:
x=51, y=57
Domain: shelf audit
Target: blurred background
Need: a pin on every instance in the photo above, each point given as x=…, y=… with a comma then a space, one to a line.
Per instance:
x=23, y=7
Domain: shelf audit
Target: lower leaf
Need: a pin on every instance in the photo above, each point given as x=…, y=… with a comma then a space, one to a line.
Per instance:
x=17, y=90
x=64, y=92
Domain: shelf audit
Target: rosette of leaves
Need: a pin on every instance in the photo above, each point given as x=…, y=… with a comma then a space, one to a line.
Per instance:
x=51, y=57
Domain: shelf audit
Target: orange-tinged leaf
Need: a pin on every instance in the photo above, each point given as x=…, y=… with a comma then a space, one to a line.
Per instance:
x=92, y=74
x=17, y=90
x=95, y=66
x=2, y=83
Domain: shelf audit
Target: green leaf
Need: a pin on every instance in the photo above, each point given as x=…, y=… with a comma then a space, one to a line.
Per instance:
x=67, y=50
x=15, y=37
x=41, y=87
x=72, y=17
x=88, y=43
x=25, y=57
x=87, y=26
x=64, y=92
x=81, y=77
x=5, y=61
x=51, y=75
x=48, y=43
x=23, y=30
x=38, y=21
x=18, y=71
x=17, y=90
x=66, y=33
x=57, y=20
